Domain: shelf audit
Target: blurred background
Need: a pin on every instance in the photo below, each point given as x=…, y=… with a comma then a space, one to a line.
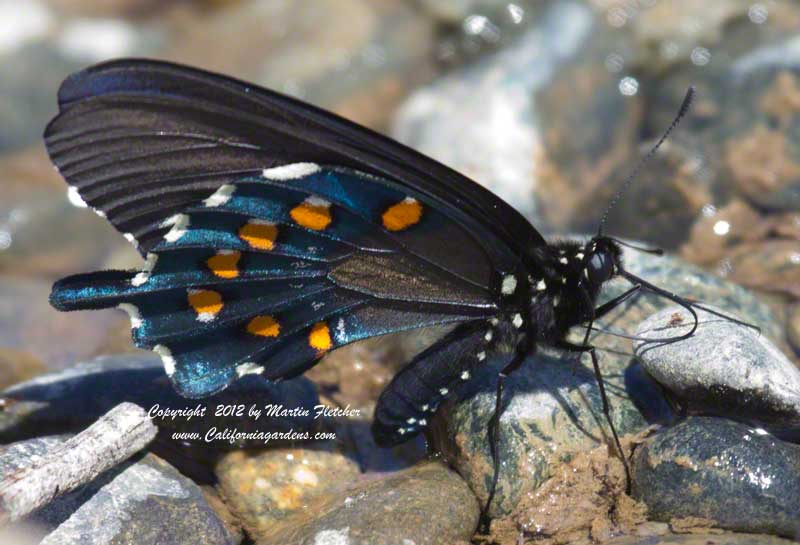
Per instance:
x=548, y=103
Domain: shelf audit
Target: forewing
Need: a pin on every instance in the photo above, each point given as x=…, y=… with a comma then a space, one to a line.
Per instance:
x=142, y=140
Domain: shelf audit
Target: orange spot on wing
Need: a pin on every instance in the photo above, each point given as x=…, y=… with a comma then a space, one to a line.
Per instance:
x=259, y=235
x=206, y=303
x=264, y=326
x=224, y=264
x=313, y=213
x=320, y=337
x=402, y=215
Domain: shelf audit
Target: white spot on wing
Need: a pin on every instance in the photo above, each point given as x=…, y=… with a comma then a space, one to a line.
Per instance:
x=563, y=260
x=166, y=358
x=314, y=200
x=179, y=223
x=290, y=172
x=249, y=368
x=443, y=391
x=509, y=284
x=220, y=196
x=75, y=198
x=481, y=356
x=144, y=275
x=465, y=375
x=541, y=285
x=517, y=320
x=488, y=335
x=133, y=312
x=206, y=317
x=130, y=238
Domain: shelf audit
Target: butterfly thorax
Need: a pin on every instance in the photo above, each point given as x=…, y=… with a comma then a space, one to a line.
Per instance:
x=566, y=284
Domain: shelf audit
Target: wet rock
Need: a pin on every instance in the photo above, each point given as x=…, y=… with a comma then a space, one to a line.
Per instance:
x=743, y=59
x=266, y=487
x=484, y=120
x=554, y=408
x=718, y=231
x=737, y=477
x=355, y=57
x=426, y=504
x=793, y=327
x=769, y=266
x=57, y=339
x=719, y=538
x=724, y=369
x=144, y=500
x=73, y=398
x=584, y=500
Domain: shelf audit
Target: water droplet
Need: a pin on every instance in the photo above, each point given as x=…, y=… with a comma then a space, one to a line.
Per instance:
x=517, y=13
x=700, y=56
x=758, y=13
x=722, y=228
x=628, y=86
x=708, y=210
x=5, y=240
x=615, y=63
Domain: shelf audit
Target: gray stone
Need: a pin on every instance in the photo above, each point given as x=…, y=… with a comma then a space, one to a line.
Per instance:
x=427, y=504
x=734, y=476
x=71, y=399
x=702, y=539
x=144, y=500
x=483, y=121
x=267, y=486
x=553, y=404
x=724, y=369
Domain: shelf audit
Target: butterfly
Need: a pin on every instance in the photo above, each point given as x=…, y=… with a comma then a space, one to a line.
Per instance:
x=274, y=232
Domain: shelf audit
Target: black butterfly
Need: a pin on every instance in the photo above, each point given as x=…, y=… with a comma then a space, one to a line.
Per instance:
x=274, y=232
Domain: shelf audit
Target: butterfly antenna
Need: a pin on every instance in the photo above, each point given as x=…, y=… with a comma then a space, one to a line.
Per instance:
x=684, y=109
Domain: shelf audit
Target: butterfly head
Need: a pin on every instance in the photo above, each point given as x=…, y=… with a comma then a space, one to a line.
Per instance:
x=601, y=261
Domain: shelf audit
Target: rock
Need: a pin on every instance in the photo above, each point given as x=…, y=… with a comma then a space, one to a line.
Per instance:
x=265, y=487
x=425, y=504
x=769, y=266
x=793, y=327
x=144, y=500
x=584, y=500
x=55, y=338
x=737, y=477
x=554, y=408
x=484, y=120
x=724, y=369
x=353, y=56
x=71, y=399
x=718, y=538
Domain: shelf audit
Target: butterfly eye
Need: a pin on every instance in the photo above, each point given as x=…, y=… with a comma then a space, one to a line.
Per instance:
x=600, y=267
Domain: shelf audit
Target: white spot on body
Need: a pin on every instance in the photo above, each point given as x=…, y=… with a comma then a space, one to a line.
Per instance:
x=290, y=172
x=481, y=356
x=220, y=196
x=133, y=312
x=517, y=320
x=509, y=284
x=443, y=391
x=179, y=223
x=563, y=260
x=488, y=336
x=166, y=358
x=144, y=275
x=424, y=407
x=423, y=422
x=249, y=368
x=541, y=285
x=411, y=421
x=465, y=375
x=579, y=255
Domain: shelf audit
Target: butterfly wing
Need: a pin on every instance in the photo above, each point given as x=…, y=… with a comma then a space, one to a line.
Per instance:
x=140, y=140
x=273, y=231
x=270, y=272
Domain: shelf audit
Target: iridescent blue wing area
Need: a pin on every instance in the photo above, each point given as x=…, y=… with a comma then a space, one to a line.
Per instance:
x=270, y=272
x=141, y=140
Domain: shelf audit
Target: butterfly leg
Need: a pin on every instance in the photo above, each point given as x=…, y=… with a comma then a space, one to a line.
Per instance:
x=494, y=427
x=570, y=347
